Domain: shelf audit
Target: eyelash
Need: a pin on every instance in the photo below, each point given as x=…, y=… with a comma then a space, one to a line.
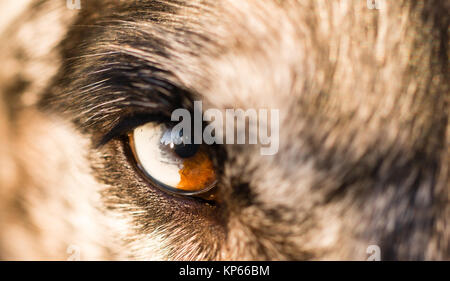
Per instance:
x=129, y=123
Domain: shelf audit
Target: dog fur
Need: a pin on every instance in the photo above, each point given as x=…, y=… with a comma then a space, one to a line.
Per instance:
x=363, y=160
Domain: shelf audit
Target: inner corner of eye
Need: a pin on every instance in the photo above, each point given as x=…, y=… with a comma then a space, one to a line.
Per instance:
x=185, y=167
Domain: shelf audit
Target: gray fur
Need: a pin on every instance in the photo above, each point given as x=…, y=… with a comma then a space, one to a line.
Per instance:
x=363, y=158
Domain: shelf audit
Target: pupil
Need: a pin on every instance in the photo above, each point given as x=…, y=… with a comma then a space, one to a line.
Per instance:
x=186, y=150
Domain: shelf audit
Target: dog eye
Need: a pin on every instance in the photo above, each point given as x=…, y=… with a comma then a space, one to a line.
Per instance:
x=170, y=164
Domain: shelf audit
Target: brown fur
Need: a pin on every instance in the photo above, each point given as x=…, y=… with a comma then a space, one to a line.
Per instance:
x=363, y=100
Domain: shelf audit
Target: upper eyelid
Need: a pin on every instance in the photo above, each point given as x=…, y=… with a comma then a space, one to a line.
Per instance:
x=129, y=123
x=141, y=88
x=150, y=103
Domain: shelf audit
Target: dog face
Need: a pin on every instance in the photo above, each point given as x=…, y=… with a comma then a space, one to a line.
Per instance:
x=363, y=146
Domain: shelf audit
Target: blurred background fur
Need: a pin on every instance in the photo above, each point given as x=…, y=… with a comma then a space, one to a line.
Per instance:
x=364, y=143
